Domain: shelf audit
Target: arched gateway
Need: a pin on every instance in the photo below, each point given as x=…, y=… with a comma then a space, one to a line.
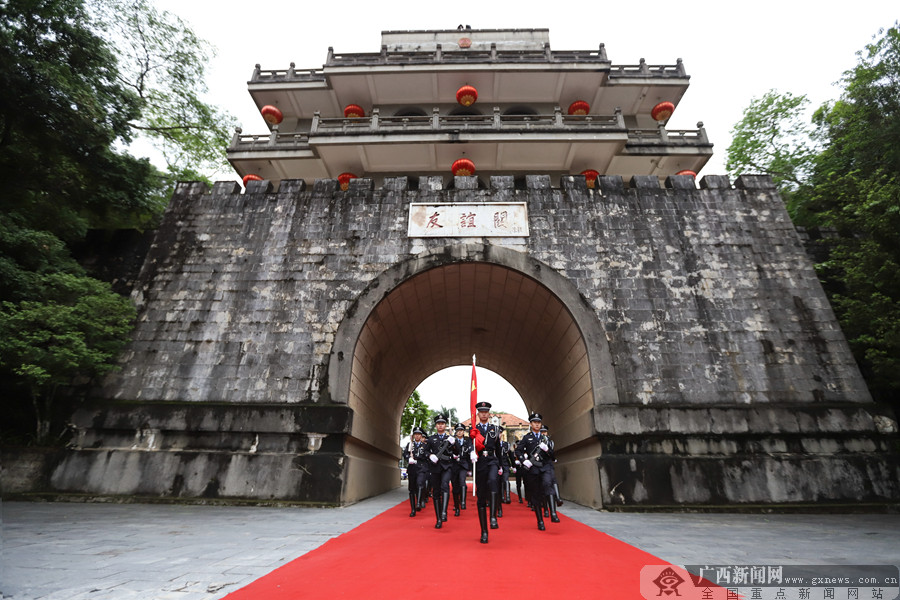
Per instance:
x=524, y=320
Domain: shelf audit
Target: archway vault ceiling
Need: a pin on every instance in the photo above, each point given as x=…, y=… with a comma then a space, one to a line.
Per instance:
x=440, y=317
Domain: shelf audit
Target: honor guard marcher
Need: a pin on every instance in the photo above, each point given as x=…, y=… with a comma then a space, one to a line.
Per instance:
x=505, y=465
x=536, y=456
x=440, y=449
x=416, y=470
x=517, y=469
x=462, y=464
x=486, y=456
x=559, y=501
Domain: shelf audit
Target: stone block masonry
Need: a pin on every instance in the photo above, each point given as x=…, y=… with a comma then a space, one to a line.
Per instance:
x=733, y=382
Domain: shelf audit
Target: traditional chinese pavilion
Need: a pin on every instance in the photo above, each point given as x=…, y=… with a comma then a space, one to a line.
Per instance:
x=464, y=101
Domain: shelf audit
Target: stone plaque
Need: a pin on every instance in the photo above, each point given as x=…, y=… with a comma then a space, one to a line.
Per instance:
x=497, y=219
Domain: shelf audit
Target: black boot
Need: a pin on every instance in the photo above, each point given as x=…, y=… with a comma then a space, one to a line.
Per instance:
x=506, y=499
x=540, y=517
x=462, y=496
x=437, y=515
x=412, y=504
x=455, y=503
x=483, y=521
x=519, y=492
x=445, y=502
x=559, y=501
x=544, y=506
x=421, y=498
x=494, y=524
x=554, y=518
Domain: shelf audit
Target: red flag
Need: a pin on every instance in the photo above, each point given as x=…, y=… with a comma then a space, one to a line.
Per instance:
x=474, y=393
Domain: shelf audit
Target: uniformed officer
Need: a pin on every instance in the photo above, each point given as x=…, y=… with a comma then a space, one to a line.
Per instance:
x=440, y=449
x=517, y=469
x=487, y=467
x=416, y=470
x=504, y=478
x=462, y=464
x=559, y=501
x=535, y=454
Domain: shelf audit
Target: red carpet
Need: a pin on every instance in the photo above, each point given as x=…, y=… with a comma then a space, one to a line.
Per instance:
x=397, y=556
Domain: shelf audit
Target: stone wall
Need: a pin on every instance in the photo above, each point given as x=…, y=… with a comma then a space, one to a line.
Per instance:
x=733, y=378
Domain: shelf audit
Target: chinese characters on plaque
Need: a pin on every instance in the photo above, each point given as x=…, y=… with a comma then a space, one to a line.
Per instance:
x=498, y=219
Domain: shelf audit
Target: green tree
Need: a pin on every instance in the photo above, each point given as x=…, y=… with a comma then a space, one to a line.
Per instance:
x=75, y=331
x=163, y=62
x=774, y=138
x=415, y=412
x=854, y=188
x=842, y=175
x=71, y=102
x=450, y=413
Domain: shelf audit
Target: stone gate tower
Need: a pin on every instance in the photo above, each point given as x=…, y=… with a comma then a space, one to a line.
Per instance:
x=474, y=191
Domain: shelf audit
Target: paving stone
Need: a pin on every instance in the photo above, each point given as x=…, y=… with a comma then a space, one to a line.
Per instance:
x=221, y=549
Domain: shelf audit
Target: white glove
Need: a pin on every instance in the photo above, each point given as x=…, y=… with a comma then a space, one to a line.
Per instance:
x=513, y=469
x=500, y=472
x=412, y=461
x=474, y=456
x=527, y=463
x=432, y=458
x=452, y=440
x=518, y=463
x=543, y=446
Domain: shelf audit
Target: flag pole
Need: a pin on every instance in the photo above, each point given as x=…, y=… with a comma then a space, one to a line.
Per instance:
x=473, y=397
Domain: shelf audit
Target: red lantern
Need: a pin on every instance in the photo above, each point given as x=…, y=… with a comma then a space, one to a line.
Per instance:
x=251, y=177
x=662, y=111
x=466, y=95
x=271, y=114
x=353, y=111
x=687, y=172
x=344, y=180
x=590, y=177
x=463, y=167
x=579, y=107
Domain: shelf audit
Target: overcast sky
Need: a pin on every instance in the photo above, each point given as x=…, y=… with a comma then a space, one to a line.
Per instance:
x=733, y=53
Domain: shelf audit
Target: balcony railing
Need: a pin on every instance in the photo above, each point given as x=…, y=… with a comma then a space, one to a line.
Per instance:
x=439, y=56
x=448, y=123
x=437, y=123
x=643, y=70
x=669, y=137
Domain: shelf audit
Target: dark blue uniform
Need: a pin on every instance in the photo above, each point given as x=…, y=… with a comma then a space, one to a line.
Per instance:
x=462, y=464
x=443, y=447
x=539, y=475
x=417, y=474
x=487, y=478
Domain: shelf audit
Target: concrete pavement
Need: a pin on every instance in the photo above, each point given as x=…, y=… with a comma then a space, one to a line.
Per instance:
x=55, y=551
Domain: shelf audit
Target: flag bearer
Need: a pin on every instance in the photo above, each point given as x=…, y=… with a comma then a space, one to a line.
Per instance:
x=440, y=449
x=487, y=467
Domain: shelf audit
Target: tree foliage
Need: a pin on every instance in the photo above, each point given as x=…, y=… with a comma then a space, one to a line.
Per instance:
x=75, y=330
x=163, y=63
x=70, y=104
x=850, y=184
x=415, y=413
x=773, y=138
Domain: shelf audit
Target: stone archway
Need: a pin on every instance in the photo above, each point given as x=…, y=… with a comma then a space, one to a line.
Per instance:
x=525, y=321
